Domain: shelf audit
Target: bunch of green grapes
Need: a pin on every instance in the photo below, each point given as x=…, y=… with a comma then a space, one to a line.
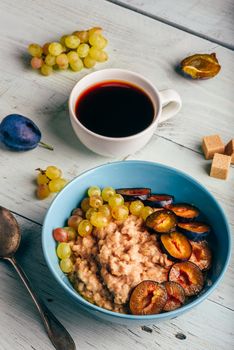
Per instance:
x=78, y=50
x=102, y=206
x=49, y=180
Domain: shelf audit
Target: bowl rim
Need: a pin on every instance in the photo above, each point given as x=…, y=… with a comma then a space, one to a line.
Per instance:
x=161, y=316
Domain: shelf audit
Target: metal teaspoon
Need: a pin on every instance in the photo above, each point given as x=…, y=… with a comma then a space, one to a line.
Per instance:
x=9, y=242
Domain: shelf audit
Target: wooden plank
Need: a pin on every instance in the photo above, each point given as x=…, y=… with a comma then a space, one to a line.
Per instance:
x=212, y=19
x=207, y=104
x=200, y=328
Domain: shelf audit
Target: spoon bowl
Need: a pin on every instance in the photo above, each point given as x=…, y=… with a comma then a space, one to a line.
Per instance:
x=9, y=233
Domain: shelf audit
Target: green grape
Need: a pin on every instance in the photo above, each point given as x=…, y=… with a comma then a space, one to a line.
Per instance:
x=136, y=207
x=95, y=201
x=66, y=265
x=85, y=228
x=145, y=212
x=62, y=59
x=116, y=200
x=35, y=50
x=83, y=35
x=57, y=185
x=120, y=212
x=62, y=40
x=45, y=48
x=55, y=49
x=94, y=191
x=72, y=56
x=85, y=204
x=42, y=179
x=83, y=50
x=36, y=62
x=94, y=53
x=52, y=172
x=98, y=41
x=89, y=212
x=74, y=221
x=96, y=30
x=72, y=41
x=50, y=60
x=42, y=191
x=89, y=62
x=63, y=250
x=97, y=54
x=77, y=65
x=46, y=70
x=107, y=192
x=105, y=210
x=99, y=220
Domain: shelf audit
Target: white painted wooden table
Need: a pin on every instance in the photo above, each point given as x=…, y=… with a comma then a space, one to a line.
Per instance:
x=149, y=37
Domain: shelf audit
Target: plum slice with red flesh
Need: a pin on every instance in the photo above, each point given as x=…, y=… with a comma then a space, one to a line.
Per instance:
x=196, y=231
x=184, y=212
x=132, y=194
x=162, y=221
x=176, y=246
x=159, y=200
x=148, y=298
x=189, y=276
x=175, y=296
x=201, y=255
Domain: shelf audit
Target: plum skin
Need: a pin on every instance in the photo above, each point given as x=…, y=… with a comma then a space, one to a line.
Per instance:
x=19, y=133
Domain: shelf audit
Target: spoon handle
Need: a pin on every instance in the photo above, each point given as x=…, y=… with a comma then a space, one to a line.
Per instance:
x=58, y=335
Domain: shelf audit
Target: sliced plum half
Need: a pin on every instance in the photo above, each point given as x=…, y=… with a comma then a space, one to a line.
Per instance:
x=162, y=221
x=185, y=212
x=148, y=298
x=196, y=231
x=201, y=255
x=175, y=296
x=131, y=194
x=188, y=275
x=176, y=246
x=159, y=200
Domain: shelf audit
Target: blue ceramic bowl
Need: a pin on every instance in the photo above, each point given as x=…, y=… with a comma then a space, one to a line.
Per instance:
x=161, y=179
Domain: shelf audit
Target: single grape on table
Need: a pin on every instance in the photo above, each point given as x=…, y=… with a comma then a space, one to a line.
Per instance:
x=81, y=49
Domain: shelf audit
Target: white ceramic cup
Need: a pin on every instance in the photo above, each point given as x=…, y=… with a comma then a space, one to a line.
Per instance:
x=166, y=104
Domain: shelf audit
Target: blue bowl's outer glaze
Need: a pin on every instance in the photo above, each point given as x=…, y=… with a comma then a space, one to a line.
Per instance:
x=161, y=179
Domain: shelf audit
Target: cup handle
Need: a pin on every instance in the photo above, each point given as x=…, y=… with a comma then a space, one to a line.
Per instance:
x=171, y=104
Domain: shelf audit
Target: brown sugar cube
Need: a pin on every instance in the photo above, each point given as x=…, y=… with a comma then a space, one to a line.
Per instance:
x=212, y=144
x=220, y=166
x=229, y=150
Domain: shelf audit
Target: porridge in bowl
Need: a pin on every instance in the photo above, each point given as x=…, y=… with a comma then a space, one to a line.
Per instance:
x=127, y=256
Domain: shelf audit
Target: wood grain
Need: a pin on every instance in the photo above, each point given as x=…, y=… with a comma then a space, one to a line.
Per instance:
x=201, y=327
x=212, y=19
x=154, y=49
x=207, y=105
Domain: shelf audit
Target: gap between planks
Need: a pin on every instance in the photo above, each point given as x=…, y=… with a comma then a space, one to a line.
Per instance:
x=172, y=24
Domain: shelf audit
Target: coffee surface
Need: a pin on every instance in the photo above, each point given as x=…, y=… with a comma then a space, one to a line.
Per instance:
x=115, y=109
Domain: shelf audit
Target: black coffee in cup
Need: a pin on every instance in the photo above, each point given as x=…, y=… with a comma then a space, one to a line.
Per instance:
x=115, y=109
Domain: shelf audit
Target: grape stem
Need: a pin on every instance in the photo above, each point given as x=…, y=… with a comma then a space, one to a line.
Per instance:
x=45, y=145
